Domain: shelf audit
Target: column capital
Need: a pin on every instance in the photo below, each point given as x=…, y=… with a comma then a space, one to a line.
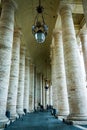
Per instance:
x=27, y=58
x=11, y=3
x=17, y=32
x=83, y=32
x=65, y=7
x=56, y=31
x=23, y=49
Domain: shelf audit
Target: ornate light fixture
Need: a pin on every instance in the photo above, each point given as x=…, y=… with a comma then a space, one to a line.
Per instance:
x=39, y=29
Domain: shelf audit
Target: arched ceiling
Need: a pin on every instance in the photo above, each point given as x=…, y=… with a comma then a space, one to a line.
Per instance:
x=24, y=18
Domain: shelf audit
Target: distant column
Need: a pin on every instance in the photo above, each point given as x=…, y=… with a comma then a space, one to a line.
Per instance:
x=6, y=40
x=63, y=106
x=83, y=37
x=20, y=94
x=53, y=77
x=26, y=84
x=31, y=95
x=50, y=95
x=85, y=9
x=14, y=75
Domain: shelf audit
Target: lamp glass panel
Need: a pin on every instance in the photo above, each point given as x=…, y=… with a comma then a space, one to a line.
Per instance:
x=40, y=37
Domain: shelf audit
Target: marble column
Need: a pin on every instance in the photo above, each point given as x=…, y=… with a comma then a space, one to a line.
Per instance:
x=40, y=88
x=26, y=86
x=36, y=104
x=14, y=75
x=43, y=92
x=50, y=95
x=75, y=81
x=20, y=94
x=84, y=2
x=83, y=37
x=6, y=40
x=31, y=95
x=63, y=106
x=47, y=97
x=53, y=77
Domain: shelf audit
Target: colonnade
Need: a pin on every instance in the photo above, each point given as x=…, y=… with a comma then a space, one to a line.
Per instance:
x=22, y=87
x=17, y=72
x=69, y=82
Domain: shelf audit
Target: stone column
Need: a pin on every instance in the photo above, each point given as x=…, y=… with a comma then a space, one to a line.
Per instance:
x=50, y=95
x=43, y=92
x=20, y=94
x=63, y=107
x=40, y=88
x=83, y=37
x=31, y=95
x=6, y=40
x=14, y=75
x=75, y=81
x=26, y=88
x=84, y=2
x=53, y=77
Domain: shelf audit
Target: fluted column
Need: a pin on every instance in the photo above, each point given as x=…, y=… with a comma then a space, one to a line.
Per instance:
x=83, y=37
x=75, y=81
x=63, y=106
x=53, y=77
x=26, y=84
x=31, y=95
x=20, y=94
x=14, y=75
x=6, y=40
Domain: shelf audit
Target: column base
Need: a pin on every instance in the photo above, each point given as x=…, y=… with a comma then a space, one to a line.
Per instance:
x=4, y=121
x=76, y=120
x=77, y=117
x=20, y=113
x=13, y=117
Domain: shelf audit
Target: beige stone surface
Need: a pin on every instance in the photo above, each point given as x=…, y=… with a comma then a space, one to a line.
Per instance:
x=14, y=75
x=26, y=85
x=75, y=81
x=31, y=95
x=6, y=40
x=53, y=74
x=83, y=37
x=20, y=94
x=63, y=106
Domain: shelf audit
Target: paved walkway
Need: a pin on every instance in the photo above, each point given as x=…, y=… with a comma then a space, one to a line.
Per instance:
x=40, y=121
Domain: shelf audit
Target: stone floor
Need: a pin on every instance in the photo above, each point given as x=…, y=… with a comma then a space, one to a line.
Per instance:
x=41, y=121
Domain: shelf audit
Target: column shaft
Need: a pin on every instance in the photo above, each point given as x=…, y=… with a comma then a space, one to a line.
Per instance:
x=6, y=40
x=26, y=86
x=31, y=95
x=63, y=107
x=14, y=76
x=43, y=92
x=75, y=81
x=53, y=77
x=20, y=94
x=85, y=9
x=83, y=37
x=50, y=96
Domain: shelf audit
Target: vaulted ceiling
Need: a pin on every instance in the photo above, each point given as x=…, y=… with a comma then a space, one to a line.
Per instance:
x=24, y=18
